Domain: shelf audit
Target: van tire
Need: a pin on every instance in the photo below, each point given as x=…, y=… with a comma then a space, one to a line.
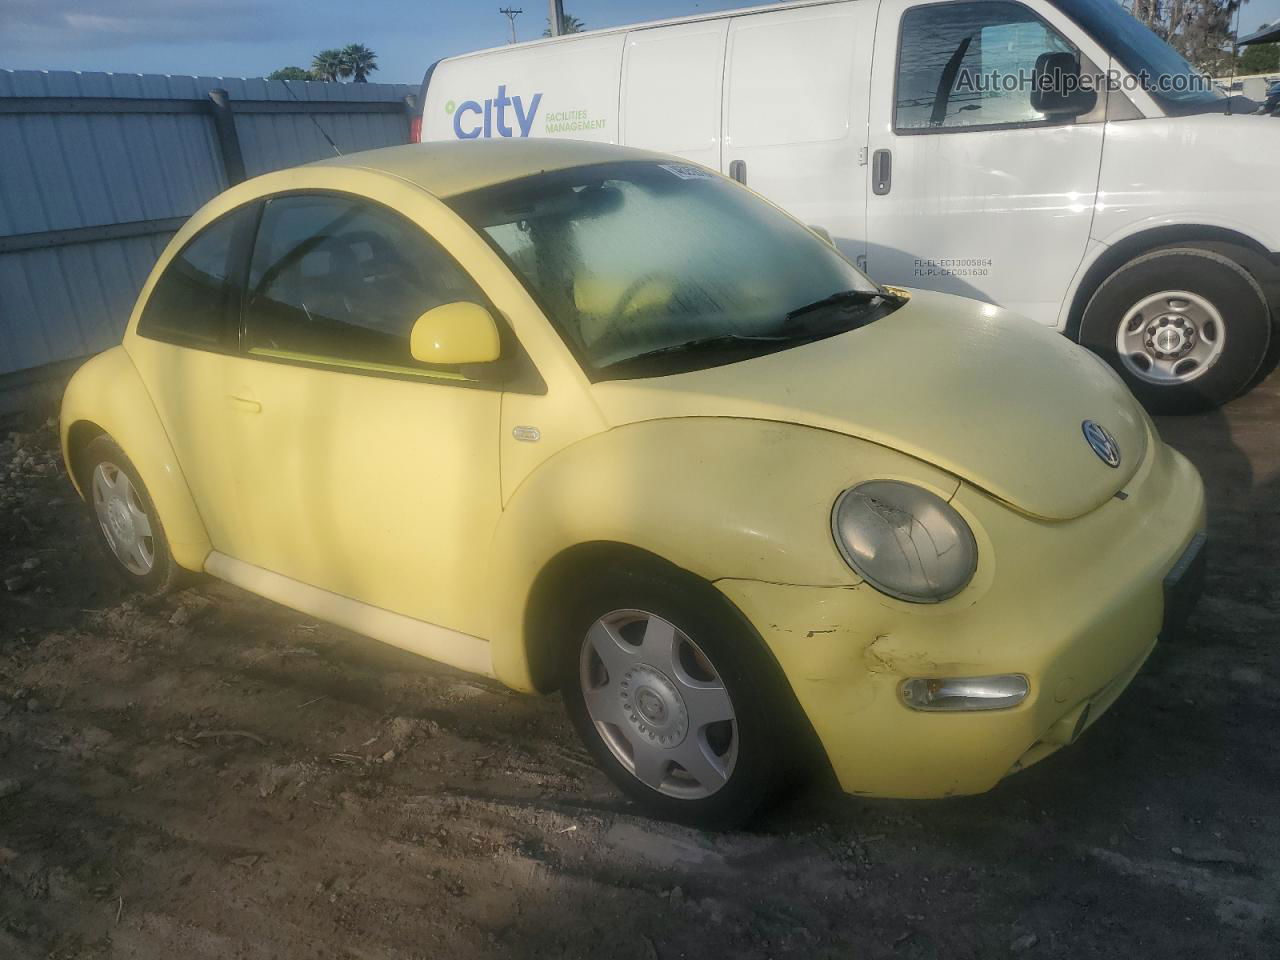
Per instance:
x=1219, y=287
x=766, y=746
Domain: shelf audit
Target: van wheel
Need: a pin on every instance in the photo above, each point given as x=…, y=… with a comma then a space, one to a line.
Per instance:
x=675, y=701
x=1186, y=328
x=126, y=522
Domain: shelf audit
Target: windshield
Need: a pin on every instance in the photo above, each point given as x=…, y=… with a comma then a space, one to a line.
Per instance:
x=1176, y=85
x=648, y=268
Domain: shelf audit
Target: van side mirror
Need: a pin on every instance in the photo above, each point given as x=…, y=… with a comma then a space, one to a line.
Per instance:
x=455, y=333
x=1058, y=91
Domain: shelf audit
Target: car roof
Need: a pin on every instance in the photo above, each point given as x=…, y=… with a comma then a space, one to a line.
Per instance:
x=449, y=168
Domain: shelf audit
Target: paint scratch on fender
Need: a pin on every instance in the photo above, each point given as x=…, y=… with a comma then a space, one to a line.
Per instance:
x=887, y=654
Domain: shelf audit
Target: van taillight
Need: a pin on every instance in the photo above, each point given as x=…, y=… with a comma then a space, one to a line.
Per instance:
x=415, y=129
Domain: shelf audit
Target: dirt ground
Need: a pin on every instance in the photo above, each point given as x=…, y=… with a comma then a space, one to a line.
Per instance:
x=218, y=777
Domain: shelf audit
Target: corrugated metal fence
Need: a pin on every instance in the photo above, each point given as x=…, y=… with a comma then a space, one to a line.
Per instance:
x=98, y=170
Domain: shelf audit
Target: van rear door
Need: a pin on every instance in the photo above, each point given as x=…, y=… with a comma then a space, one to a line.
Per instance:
x=974, y=192
x=672, y=88
x=795, y=112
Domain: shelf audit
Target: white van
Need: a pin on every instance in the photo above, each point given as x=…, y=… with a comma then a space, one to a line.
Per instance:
x=953, y=145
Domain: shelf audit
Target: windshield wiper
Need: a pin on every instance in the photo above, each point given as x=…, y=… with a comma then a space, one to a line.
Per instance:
x=845, y=297
x=701, y=343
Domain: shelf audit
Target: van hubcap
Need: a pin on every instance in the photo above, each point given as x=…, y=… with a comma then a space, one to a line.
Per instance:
x=658, y=704
x=123, y=520
x=1171, y=337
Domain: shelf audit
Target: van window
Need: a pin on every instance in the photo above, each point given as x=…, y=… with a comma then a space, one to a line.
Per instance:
x=193, y=303
x=970, y=65
x=337, y=281
x=1179, y=87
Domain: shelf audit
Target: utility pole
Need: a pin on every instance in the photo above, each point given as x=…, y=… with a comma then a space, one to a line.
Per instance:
x=555, y=16
x=511, y=17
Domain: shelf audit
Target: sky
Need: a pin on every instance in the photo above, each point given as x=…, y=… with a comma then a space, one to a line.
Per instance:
x=246, y=38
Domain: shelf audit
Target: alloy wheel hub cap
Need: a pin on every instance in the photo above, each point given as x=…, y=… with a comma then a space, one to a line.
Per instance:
x=120, y=521
x=653, y=706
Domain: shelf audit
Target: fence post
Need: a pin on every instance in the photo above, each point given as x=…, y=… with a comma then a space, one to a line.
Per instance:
x=224, y=127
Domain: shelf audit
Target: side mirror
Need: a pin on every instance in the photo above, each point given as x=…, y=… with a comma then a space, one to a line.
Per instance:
x=1058, y=91
x=455, y=333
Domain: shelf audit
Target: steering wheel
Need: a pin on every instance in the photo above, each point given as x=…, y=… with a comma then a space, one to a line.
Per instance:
x=665, y=282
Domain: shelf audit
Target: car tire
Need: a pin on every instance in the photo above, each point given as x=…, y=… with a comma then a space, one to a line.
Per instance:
x=1187, y=328
x=693, y=767
x=125, y=521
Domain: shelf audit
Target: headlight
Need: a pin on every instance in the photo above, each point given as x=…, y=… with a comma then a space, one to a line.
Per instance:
x=904, y=540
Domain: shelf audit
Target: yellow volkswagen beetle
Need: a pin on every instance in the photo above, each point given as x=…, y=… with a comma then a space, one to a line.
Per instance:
x=585, y=418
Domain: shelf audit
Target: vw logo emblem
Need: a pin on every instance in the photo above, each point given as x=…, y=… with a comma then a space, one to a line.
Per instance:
x=1103, y=443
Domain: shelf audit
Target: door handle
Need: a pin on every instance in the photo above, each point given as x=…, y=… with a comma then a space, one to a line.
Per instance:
x=246, y=403
x=881, y=172
x=738, y=171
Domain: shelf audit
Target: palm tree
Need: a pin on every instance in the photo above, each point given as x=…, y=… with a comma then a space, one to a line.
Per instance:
x=359, y=61
x=327, y=65
x=571, y=25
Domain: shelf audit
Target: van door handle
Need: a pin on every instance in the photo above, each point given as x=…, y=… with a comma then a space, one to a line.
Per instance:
x=246, y=403
x=738, y=171
x=881, y=172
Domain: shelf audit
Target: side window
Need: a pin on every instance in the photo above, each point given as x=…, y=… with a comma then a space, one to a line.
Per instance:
x=970, y=65
x=338, y=281
x=193, y=303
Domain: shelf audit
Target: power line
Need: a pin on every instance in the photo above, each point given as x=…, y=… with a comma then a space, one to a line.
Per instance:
x=289, y=90
x=511, y=15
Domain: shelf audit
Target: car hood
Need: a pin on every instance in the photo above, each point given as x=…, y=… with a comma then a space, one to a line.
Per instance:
x=982, y=393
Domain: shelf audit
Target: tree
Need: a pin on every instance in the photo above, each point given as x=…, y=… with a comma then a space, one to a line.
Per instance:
x=1200, y=30
x=1203, y=33
x=1260, y=58
x=571, y=25
x=358, y=61
x=291, y=73
x=327, y=65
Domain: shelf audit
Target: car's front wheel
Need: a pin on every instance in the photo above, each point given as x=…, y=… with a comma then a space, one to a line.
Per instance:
x=126, y=522
x=676, y=701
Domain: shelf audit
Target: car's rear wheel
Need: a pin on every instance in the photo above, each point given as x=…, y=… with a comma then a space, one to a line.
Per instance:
x=126, y=522
x=1185, y=327
x=676, y=701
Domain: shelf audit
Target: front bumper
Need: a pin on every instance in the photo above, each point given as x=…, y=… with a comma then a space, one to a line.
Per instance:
x=1183, y=585
x=1076, y=606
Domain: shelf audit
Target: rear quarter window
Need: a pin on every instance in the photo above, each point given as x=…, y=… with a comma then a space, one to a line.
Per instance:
x=195, y=302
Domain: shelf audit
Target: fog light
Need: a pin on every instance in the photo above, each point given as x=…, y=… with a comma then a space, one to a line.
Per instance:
x=965, y=693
